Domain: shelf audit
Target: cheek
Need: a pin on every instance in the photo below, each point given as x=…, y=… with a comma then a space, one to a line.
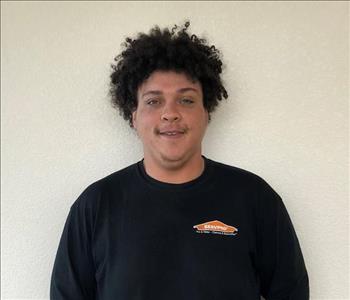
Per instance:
x=145, y=124
x=147, y=121
x=199, y=121
x=140, y=118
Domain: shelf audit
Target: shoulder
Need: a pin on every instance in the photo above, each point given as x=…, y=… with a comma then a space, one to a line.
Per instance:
x=101, y=188
x=256, y=191
x=243, y=180
x=230, y=172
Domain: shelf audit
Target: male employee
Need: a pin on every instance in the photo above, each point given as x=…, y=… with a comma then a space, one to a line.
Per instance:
x=176, y=225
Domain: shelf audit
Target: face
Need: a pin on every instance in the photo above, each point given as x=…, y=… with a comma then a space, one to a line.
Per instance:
x=170, y=118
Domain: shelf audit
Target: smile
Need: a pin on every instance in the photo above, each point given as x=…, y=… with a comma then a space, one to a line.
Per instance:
x=172, y=134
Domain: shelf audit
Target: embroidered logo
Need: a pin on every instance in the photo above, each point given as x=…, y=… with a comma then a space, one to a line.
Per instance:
x=216, y=227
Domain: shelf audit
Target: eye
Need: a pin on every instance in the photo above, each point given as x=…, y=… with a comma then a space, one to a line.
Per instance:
x=152, y=102
x=187, y=101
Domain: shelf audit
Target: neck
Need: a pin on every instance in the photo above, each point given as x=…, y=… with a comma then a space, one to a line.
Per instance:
x=178, y=172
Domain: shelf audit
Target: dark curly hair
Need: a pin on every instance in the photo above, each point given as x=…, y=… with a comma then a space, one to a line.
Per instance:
x=165, y=50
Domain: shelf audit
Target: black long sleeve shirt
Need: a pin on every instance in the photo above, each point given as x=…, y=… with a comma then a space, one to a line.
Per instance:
x=225, y=235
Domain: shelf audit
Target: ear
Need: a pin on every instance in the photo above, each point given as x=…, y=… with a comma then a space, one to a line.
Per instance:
x=207, y=116
x=134, y=119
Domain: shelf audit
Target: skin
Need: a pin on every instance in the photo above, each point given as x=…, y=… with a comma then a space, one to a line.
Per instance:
x=170, y=102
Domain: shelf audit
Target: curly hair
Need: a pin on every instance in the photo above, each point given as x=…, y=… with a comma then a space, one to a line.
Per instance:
x=165, y=50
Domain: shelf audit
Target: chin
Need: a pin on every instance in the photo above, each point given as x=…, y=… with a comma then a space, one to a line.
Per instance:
x=172, y=157
x=175, y=159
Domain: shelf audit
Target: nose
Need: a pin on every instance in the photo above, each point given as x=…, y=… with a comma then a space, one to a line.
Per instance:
x=170, y=113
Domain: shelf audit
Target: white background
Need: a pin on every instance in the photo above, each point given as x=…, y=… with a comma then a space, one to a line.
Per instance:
x=286, y=119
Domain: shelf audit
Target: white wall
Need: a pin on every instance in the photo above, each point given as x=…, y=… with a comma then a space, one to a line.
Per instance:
x=286, y=119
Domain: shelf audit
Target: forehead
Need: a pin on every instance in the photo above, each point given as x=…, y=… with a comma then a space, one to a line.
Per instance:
x=168, y=81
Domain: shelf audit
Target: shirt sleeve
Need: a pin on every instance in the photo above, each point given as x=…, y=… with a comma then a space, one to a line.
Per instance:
x=73, y=275
x=281, y=267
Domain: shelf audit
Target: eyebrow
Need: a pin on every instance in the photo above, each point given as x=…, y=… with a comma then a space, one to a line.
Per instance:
x=182, y=90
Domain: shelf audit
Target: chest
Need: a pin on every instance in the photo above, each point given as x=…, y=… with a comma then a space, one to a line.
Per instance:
x=181, y=242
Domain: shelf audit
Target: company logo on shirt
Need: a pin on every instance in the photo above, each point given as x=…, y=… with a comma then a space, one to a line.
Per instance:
x=216, y=227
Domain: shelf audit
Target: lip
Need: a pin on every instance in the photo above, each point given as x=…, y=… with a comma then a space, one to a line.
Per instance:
x=172, y=134
x=171, y=129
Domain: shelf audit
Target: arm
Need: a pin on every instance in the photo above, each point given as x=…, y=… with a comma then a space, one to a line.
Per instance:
x=281, y=266
x=73, y=275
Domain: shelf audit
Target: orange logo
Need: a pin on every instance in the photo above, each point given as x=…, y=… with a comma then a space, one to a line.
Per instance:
x=216, y=227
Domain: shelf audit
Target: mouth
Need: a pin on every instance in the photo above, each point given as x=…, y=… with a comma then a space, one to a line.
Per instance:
x=173, y=134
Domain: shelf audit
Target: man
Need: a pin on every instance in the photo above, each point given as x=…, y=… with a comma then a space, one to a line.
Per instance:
x=176, y=225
